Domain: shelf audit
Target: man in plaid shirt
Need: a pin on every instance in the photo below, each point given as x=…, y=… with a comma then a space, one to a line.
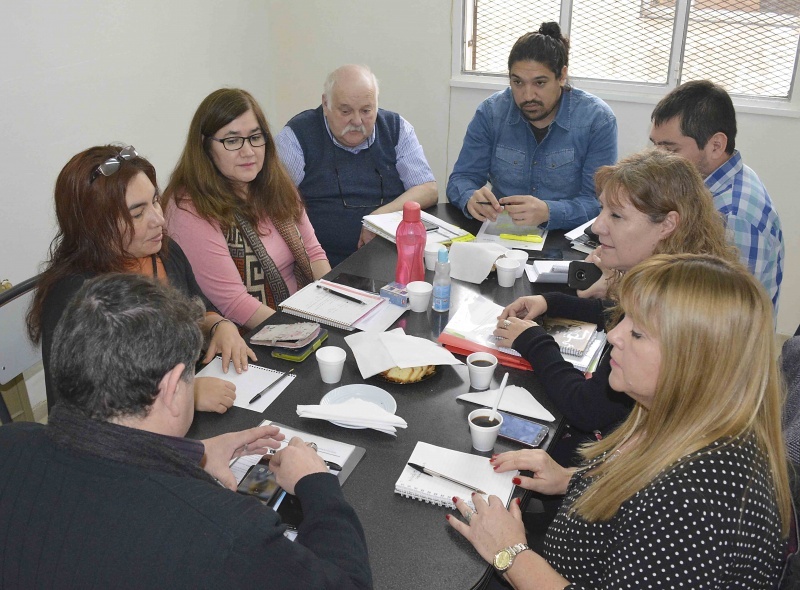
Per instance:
x=697, y=121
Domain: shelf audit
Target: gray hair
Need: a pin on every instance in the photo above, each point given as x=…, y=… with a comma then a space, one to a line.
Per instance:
x=331, y=79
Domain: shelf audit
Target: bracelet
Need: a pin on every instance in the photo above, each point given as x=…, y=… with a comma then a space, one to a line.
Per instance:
x=214, y=327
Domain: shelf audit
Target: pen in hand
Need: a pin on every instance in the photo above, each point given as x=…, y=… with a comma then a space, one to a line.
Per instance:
x=270, y=386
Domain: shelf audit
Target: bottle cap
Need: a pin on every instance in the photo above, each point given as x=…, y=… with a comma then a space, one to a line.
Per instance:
x=443, y=254
x=411, y=211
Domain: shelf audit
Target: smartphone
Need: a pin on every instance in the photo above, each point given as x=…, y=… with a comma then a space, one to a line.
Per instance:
x=289, y=509
x=357, y=282
x=546, y=254
x=260, y=482
x=429, y=226
x=521, y=430
x=582, y=275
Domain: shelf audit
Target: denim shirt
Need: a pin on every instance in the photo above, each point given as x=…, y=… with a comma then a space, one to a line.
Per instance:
x=500, y=148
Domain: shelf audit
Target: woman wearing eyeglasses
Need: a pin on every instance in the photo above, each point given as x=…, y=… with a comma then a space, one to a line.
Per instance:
x=233, y=209
x=110, y=220
x=691, y=491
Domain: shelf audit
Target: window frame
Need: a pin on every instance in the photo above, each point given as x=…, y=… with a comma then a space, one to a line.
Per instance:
x=634, y=92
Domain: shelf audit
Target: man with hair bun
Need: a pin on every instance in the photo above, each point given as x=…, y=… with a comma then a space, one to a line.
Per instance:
x=537, y=143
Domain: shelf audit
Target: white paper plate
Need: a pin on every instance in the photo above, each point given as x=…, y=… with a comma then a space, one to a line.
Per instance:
x=368, y=393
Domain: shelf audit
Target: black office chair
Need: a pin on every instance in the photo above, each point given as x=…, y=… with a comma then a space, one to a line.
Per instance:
x=16, y=351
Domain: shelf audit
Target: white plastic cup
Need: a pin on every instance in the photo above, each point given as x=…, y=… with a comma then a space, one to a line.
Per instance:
x=483, y=437
x=419, y=295
x=522, y=256
x=331, y=362
x=432, y=255
x=481, y=366
x=506, y=271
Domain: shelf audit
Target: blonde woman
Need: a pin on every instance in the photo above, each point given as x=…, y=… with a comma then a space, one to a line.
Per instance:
x=691, y=490
x=651, y=203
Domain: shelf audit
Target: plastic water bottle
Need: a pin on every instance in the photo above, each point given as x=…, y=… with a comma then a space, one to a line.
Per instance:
x=441, y=282
x=411, y=237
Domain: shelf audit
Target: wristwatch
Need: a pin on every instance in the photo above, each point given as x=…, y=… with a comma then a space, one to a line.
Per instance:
x=505, y=557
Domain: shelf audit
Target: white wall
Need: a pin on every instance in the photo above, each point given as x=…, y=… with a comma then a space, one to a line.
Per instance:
x=79, y=74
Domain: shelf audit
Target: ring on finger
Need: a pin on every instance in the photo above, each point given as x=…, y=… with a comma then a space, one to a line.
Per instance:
x=468, y=516
x=506, y=323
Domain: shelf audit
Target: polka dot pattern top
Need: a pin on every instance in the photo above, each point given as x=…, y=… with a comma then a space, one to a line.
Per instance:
x=711, y=522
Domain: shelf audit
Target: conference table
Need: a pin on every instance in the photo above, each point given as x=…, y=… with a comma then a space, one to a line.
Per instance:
x=410, y=543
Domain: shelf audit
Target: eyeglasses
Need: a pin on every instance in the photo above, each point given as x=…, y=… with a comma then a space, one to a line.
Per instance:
x=111, y=165
x=233, y=144
x=341, y=194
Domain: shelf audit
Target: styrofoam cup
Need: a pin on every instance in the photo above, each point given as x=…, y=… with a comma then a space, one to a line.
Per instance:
x=331, y=362
x=483, y=437
x=480, y=377
x=506, y=271
x=522, y=256
x=419, y=295
x=432, y=255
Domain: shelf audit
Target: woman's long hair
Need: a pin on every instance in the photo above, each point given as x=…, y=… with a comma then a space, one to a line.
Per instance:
x=196, y=178
x=718, y=378
x=94, y=224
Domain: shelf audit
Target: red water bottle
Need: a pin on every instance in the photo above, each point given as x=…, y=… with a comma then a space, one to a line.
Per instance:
x=411, y=237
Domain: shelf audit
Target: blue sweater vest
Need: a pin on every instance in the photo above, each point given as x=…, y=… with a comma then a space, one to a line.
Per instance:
x=362, y=177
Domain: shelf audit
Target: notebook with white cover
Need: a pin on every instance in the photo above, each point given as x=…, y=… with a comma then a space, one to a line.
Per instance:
x=385, y=225
x=472, y=469
x=319, y=305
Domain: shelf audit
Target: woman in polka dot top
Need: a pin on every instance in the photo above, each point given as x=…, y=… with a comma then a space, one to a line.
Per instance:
x=691, y=491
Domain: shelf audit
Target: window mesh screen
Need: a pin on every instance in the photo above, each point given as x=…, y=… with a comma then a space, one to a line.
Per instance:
x=621, y=41
x=498, y=24
x=747, y=46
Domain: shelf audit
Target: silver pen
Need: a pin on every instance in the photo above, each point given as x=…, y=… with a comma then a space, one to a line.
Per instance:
x=433, y=473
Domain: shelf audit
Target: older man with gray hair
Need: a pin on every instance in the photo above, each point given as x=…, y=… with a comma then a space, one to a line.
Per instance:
x=350, y=158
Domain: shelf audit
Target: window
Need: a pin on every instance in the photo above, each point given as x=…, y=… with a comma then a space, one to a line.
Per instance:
x=747, y=46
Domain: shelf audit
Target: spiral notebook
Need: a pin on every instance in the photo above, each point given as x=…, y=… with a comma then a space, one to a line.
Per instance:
x=573, y=337
x=248, y=383
x=333, y=304
x=472, y=469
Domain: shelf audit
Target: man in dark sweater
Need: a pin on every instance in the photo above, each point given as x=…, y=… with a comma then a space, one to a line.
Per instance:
x=110, y=495
x=349, y=158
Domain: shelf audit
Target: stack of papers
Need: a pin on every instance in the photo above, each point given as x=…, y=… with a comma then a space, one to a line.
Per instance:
x=580, y=241
x=355, y=413
x=385, y=225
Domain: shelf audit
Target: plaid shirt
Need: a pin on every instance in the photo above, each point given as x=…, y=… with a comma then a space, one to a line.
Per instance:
x=751, y=220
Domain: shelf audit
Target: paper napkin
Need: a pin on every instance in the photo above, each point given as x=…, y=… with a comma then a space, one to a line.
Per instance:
x=516, y=400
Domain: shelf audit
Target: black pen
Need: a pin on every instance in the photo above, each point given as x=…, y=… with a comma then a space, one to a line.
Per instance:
x=271, y=385
x=433, y=473
x=342, y=295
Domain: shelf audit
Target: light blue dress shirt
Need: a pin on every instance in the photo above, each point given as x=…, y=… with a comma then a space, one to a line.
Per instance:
x=500, y=148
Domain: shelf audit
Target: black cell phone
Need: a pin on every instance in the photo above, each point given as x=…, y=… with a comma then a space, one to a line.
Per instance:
x=289, y=509
x=521, y=430
x=582, y=275
x=260, y=482
x=429, y=226
x=546, y=254
x=357, y=282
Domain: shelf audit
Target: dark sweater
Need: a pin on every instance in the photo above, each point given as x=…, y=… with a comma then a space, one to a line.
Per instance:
x=69, y=520
x=587, y=404
x=180, y=275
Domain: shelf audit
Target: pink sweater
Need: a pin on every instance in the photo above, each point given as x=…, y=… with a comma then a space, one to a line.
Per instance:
x=204, y=245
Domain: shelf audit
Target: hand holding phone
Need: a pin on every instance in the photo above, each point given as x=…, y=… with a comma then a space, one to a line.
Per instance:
x=583, y=275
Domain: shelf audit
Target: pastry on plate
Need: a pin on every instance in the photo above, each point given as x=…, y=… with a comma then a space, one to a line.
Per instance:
x=409, y=374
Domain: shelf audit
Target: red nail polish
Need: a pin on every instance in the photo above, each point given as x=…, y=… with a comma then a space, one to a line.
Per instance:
x=517, y=500
x=474, y=493
x=495, y=467
x=447, y=516
x=455, y=499
x=516, y=481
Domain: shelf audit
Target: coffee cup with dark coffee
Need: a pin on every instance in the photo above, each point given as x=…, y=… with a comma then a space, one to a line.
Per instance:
x=481, y=366
x=484, y=428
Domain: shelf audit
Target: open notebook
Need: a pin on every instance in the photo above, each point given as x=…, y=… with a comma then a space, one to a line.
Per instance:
x=473, y=469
